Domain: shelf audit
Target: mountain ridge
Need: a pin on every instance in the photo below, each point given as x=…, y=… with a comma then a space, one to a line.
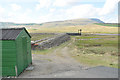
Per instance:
x=72, y=22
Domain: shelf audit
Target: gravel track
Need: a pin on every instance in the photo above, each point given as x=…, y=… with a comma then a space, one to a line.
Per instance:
x=59, y=64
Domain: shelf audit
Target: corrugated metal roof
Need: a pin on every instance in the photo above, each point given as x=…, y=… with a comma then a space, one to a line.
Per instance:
x=10, y=33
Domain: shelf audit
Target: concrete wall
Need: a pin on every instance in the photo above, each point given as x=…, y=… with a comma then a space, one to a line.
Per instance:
x=54, y=41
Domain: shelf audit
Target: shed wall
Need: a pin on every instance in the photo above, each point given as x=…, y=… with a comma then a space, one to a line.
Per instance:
x=21, y=55
x=8, y=58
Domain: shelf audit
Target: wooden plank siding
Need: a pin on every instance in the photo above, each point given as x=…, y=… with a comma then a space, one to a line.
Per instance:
x=8, y=58
x=20, y=52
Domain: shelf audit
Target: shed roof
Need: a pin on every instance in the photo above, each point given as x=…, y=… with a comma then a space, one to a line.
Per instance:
x=11, y=33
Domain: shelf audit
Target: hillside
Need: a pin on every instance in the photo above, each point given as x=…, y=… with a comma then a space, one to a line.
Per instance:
x=73, y=22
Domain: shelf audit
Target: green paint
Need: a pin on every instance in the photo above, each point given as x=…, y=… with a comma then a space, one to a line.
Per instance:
x=0, y=59
x=16, y=54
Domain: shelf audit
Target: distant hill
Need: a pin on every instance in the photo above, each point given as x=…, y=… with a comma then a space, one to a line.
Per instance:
x=73, y=22
x=9, y=24
x=5, y=24
x=97, y=20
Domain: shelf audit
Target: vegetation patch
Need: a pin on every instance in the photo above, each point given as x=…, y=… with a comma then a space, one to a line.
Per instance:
x=90, y=28
x=100, y=52
x=109, y=24
x=40, y=36
x=97, y=59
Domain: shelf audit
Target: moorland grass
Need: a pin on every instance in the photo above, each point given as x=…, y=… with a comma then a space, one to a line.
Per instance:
x=100, y=52
x=109, y=24
x=35, y=37
x=91, y=28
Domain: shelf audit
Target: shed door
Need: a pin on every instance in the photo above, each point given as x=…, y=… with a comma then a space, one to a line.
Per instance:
x=24, y=46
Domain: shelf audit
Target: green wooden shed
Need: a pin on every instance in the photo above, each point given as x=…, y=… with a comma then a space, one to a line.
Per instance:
x=16, y=51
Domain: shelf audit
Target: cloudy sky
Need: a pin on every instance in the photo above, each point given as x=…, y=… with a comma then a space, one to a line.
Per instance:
x=39, y=11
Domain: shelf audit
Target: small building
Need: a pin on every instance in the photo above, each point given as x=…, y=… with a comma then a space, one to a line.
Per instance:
x=16, y=51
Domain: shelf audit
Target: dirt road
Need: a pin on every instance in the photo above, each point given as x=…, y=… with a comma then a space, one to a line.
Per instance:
x=55, y=62
x=60, y=64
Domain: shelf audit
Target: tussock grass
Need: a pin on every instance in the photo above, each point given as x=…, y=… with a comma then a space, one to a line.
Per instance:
x=100, y=52
x=97, y=60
